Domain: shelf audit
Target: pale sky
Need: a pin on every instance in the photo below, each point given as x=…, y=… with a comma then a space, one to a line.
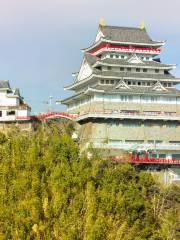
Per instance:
x=41, y=40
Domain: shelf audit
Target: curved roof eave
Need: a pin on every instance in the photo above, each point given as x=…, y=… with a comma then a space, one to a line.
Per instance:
x=158, y=44
x=95, y=44
x=70, y=87
x=168, y=66
x=73, y=86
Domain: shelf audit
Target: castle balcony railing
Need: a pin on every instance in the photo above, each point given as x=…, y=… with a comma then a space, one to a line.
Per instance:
x=156, y=160
x=110, y=114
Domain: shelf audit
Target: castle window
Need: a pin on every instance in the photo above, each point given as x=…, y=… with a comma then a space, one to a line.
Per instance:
x=129, y=69
x=122, y=56
x=156, y=70
x=134, y=141
x=129, y=83
x=137, y=69
x=117, y=56
x=10, y=113
x=102, y=81
x=153, y=99
x=144, y=69
x=139, y=83
x=111, y=55
x=121, y=69
x=147, y=58
x=9, y=91
x=148, y=84
x=99, y=68
x=169, y=84
x=172, y=125
x=112, y=81
x=109, y=67
x=175, y=142
x=107, y=81
x=166, y=72
x=0, y=113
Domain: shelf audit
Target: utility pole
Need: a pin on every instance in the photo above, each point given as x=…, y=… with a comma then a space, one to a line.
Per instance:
x=49, y=103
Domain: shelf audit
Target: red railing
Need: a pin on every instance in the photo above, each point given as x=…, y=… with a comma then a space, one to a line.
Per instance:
x=155, y=160
x=136, y=159
x=109, y=46
x=46, y=115
x=51, y=114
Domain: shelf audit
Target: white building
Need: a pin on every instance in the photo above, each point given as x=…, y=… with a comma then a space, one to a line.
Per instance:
x=12, y=105
x=125, y=98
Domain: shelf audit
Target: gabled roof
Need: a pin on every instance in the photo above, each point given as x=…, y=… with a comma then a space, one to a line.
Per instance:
x=16, y=92
x=127, y=34
x=121, y=84
x=136, y=90
x=4, y=84
x=159, y=87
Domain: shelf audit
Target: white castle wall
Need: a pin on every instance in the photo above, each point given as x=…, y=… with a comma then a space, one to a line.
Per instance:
x=8, y=100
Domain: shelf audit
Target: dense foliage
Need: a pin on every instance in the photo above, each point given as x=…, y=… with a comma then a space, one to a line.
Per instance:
x=49, y=192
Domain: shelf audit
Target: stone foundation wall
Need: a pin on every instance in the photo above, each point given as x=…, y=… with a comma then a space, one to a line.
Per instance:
x=6, y=127
x=99, y=131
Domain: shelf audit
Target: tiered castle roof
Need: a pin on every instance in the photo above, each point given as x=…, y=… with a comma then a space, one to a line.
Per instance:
x=122, y=54
x=125, y=36
x=11, y=92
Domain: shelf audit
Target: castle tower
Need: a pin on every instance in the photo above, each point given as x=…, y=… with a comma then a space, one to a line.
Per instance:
x=125, y=98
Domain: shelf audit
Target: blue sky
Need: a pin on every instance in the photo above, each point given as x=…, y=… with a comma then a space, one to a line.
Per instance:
x=40, y=40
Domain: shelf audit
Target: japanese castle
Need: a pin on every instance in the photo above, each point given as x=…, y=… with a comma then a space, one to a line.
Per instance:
x=12, y=105
x=124, y=97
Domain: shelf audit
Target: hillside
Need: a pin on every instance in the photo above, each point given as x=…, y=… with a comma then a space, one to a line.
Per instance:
x=49, y=191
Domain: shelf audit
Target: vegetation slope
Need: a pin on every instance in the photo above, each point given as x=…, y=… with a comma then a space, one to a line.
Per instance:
x=49, y=191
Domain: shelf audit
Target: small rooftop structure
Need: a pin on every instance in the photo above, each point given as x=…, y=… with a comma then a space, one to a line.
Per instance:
x=12, y=104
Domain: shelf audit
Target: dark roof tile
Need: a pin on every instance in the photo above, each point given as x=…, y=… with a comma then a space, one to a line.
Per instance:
x=110, y=73
x=125, y=62
x=4, y=84
x=127, y=34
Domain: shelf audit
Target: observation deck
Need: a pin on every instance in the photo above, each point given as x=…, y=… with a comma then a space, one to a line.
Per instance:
x=108, y=114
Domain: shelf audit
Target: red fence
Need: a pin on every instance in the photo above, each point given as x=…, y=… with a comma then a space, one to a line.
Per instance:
x=135, y=159
x=47, y=115
x=155, y=160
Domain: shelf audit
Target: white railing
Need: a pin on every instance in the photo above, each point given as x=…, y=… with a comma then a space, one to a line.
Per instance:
x=129, y=115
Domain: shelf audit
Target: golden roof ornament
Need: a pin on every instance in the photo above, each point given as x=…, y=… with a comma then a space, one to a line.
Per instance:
x=102, y=22
x=142, y=25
